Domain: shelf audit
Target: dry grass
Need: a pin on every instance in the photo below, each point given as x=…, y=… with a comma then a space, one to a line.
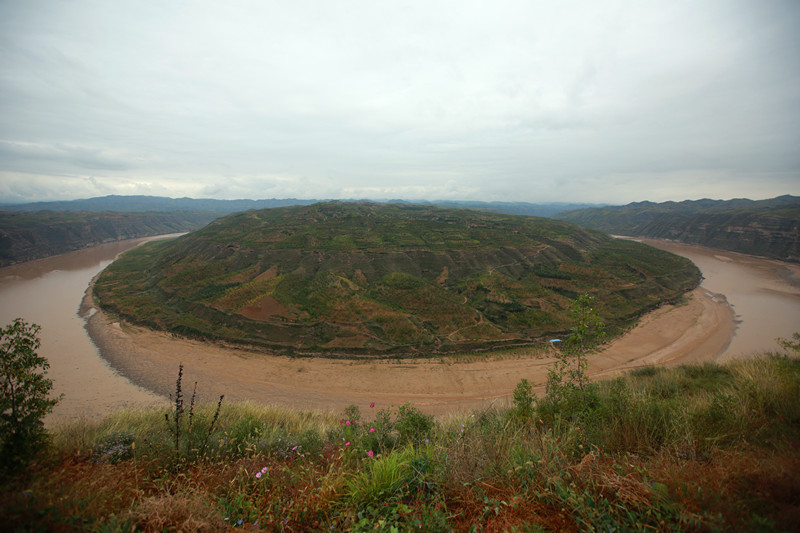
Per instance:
x=705, y=448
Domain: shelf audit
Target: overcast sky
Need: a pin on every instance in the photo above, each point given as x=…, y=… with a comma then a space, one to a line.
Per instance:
x=590, y=101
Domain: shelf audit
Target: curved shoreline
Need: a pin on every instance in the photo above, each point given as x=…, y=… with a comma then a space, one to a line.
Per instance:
x=698, y=330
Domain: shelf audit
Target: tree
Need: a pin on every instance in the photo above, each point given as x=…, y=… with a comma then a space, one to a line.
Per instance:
x=567, y=378
x=26, y=393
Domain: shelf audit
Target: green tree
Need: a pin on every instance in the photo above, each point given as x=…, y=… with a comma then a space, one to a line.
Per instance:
x=567, y=379
x=26, y=393
x=523, y=399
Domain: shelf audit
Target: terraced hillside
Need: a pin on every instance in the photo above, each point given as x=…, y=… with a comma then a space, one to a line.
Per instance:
x=25, y=236
x=361, y=278
x=769, y=228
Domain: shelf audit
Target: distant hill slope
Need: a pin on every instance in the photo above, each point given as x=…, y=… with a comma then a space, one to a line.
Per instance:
x=769, y=228
x=363, y=278
x=28, y=236
x=163, y=204
x=155, y=203
x=44, y=233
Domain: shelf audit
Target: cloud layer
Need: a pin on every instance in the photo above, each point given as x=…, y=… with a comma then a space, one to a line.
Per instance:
x=531, y=101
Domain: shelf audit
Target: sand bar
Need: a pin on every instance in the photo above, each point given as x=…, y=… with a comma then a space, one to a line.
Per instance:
x=698, y=329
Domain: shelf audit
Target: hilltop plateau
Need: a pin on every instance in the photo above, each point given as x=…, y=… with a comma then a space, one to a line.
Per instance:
x=359, y=278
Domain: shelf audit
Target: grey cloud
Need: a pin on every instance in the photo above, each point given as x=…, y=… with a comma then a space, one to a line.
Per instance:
x=515, y=100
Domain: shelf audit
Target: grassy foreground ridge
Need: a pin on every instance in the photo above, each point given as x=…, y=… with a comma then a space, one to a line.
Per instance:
x=693, y=448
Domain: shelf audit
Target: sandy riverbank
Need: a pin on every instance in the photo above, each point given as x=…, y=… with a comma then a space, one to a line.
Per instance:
x=698, y=330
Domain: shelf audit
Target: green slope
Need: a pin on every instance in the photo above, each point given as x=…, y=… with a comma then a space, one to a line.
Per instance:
x=28, y=236
x=360, y=278
x=769, y=228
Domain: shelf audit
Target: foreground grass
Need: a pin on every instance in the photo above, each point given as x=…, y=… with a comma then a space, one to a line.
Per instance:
x=703, y=448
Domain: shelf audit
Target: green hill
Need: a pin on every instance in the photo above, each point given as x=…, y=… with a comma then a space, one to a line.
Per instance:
x=769, y=228
x=360, y=278
x=27, y=236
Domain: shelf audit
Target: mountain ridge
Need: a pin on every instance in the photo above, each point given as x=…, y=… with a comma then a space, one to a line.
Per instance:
x=30, y=236
x=140, y=203
x=768, y=228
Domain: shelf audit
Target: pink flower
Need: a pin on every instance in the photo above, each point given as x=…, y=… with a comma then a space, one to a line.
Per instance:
x=293, y=449
x=372, y=430
x=370, y=453
x=264, y=470
x=347, y=443
x=347, y=423
x=258, y=474
x=372, y=404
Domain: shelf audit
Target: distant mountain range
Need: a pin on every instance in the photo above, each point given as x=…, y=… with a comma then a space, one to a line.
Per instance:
x=41, y=229
x=769, y=228
x=126, y=204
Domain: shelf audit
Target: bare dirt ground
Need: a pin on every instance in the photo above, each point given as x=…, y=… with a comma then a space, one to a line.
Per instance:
x=697, y=330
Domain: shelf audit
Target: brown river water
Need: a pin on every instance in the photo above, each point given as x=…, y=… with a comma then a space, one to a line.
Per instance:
x=764, y=294
x=48, y=292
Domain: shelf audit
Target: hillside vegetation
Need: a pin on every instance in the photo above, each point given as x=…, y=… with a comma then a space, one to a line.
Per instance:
x=695, y=448
x=360, y=278
x=27, y=236
x=769, y=228
x=162, y=204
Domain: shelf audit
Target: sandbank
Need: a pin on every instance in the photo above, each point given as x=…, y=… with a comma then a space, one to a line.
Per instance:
x=695, y=330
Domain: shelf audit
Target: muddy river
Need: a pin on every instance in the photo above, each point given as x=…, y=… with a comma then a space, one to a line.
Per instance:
x=48, y=292
x=764, y=294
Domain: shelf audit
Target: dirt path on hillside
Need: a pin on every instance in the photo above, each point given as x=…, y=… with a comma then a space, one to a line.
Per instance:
x=697, y=330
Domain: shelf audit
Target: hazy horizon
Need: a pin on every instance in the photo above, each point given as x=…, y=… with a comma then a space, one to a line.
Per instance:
x=380, y=200
x=576, y=102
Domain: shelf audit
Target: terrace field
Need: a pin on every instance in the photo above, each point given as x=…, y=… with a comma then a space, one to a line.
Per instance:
x=382, y=279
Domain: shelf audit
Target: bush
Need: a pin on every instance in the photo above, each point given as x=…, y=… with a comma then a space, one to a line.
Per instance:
x=523, y=400
x=412, y=425
x=26, y=392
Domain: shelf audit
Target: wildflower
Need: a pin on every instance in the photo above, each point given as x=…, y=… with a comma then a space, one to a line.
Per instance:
x=347, y=443
x=258, y=475
x=372, y=430
x=293, y=449
x=264, y=470
x=372, y=404
x=347, y=423
x=239, y=523
x=370, y=453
